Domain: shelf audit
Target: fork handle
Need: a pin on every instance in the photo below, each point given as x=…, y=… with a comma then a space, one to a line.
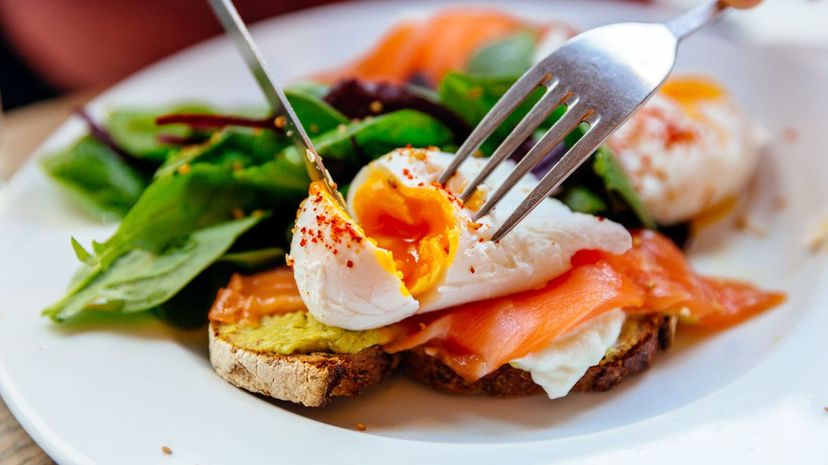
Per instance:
x=695, y=19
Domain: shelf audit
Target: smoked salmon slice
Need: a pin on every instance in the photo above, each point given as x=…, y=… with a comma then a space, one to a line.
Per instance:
x=672, y=286
x=247, y=299
x=430, y=48
x=477, y=338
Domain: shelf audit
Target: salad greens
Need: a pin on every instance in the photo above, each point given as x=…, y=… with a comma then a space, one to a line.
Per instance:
x=509, y=57
x=134, y=130
x=471, y=96
x=142, y=279
x=204, y=196
x=96, y=177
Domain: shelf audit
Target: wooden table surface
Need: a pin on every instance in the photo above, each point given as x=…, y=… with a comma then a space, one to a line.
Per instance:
x=21, y=131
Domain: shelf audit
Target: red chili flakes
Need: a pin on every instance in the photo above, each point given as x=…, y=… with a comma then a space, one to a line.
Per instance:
x=349, y=264
x=289, y=261
x=475, y=92
x=183, y=169
x=420, y=184
x=237, y=213
x=407, y=173
x=303, y=242
x=678, y=135
x=471, y=269
x=474, y=226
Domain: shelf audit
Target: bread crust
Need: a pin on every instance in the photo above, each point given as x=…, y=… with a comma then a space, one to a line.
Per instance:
x=308, y=379
x=314, y=379
x=640, y=339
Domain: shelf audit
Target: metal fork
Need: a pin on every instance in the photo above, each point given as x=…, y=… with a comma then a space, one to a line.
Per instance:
x=601, y=77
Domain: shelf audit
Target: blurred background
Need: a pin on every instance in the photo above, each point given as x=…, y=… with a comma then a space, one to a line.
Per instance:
x=58, y=54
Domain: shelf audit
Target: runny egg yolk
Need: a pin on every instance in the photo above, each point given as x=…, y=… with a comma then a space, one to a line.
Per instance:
x=415, y=224
x=691, y=90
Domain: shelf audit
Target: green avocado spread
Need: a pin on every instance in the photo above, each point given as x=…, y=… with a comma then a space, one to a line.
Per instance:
x=298, y=332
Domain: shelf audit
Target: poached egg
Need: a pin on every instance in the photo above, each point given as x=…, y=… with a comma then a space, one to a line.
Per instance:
x=407, y=245
x=689, y=149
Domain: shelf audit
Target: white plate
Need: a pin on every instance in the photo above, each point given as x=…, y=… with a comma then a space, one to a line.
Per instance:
x=116, y=393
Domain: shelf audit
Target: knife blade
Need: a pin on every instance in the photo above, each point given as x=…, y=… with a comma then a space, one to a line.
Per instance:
x=284, y=117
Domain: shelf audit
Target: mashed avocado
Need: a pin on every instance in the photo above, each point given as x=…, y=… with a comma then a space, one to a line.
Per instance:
x=298, y=332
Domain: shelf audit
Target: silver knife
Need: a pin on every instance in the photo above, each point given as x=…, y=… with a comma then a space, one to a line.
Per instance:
x=284, y=116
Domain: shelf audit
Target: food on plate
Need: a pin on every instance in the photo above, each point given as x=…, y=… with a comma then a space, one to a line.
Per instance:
x=410, y=246
x=307, y=301
x=688, y=150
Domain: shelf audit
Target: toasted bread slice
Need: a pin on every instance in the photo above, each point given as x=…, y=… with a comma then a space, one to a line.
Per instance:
x=640, y=339
x=308, y=379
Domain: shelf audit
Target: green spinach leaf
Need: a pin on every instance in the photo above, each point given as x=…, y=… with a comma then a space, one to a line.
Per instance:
x=254, y=259
x=97, y=177
x=584, y=200
x=135, y=130
x=370, y=138
x=471, y=97
x=618, y=186
x=509, y=57
x=142, y=279
x=316, y=115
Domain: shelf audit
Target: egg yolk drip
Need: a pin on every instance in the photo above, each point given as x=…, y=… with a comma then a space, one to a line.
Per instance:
x=416, y=224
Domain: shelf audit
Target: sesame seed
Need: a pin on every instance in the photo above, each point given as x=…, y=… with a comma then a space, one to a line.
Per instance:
x=360, y=427
x=280, y=122
x=184, y=169
x=166, y=450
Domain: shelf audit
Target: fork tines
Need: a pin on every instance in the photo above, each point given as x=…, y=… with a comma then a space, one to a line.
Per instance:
x=556, y=94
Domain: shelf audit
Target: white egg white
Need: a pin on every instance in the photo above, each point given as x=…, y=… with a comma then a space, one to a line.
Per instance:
x=684, y=161
x=558, y=367
x=343, y=278
x=352, y=288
